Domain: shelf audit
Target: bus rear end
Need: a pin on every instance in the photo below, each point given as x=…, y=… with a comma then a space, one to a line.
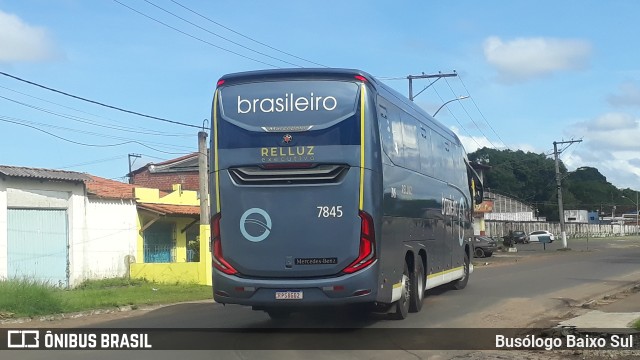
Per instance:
x=289, y=228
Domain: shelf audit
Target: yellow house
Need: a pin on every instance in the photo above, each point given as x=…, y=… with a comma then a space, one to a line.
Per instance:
x=172, y=244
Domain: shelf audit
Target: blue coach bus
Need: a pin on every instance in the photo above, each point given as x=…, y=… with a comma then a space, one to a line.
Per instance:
x=327, y=187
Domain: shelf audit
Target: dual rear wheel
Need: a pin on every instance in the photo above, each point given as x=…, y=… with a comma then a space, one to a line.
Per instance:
x=412, y=291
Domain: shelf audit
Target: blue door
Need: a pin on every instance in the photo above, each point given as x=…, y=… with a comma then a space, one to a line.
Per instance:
x=37, y=245
x=159, y=243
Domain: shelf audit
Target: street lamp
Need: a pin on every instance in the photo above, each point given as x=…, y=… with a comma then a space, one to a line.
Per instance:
x=636, y=204
x=452, y=100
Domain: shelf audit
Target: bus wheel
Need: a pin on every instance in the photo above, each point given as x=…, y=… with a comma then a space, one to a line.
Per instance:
x=462, y=282
x=402, y=305
x=417, y=287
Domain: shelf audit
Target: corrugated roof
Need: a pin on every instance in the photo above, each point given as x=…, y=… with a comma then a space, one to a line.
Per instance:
x=109, y=189
x=44, y=174
x=165, y=209
x=187, y=163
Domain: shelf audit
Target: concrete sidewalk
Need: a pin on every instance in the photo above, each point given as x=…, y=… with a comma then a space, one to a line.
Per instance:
x=620, y=314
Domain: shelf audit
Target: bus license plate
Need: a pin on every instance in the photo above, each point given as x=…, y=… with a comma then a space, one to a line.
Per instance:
x=289, y=295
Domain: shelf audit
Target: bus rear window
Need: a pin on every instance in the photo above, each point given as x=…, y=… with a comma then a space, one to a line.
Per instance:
x=288, y=105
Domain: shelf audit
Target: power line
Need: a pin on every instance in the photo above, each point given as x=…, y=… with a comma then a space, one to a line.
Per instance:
x=469, y=115
x=458, y=121
x=86, y=132
x=27, y=124
x=246, y=37
x=155, y=132
x=92, y=162
x=481, y=114
x=220, y=36
x=98, y=103
x=83, y=120
x=193, y=36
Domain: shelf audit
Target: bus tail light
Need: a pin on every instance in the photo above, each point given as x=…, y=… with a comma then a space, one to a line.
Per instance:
x=218, y=260
x=367, y=252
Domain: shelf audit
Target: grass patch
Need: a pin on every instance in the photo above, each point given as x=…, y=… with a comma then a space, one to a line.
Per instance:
x=27, y=299
x=24, y=297
x=636, y=325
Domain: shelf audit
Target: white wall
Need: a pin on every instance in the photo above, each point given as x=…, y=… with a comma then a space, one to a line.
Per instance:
x=102, y=233
x=35, y=193
x=111, y=236
x=3, y=229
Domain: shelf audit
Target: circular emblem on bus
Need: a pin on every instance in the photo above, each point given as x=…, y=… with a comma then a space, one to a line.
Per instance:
x=255, y=224
x=287, y=138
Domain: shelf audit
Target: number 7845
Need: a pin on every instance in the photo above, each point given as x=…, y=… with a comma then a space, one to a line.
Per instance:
x=329, y=211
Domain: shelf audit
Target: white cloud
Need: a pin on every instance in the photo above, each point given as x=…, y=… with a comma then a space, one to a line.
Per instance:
x=529, y=58
x=612, y=122
x=473, y=143
x=612, y=132
x=629, y=96
x=610, y=144
x=20, y=41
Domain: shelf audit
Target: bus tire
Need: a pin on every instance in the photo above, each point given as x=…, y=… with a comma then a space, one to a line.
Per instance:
x=402, y=305
x=462, y=282
x=417, y=287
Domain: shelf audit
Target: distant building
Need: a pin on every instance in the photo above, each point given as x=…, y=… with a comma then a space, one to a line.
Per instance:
x=576, y=216
x=164, y=175
x=506, y=208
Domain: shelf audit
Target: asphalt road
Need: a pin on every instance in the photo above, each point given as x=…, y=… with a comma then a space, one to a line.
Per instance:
x=535, y=279
x=525, y=289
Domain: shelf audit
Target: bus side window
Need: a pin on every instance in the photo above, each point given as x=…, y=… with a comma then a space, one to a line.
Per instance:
x=426, y=151
x=410, y=140
x=441, y=156
x=391, y=132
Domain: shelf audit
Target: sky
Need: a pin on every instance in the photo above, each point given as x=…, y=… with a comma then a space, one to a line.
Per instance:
x=535, y=72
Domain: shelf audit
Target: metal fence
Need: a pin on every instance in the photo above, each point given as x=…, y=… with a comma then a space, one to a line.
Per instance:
x=159, y=253
x=573, y=230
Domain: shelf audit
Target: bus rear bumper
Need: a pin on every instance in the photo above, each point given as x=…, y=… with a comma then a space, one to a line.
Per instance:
x=360, y=287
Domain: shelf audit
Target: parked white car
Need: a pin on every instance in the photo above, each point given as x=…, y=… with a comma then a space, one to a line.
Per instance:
x=535, y=236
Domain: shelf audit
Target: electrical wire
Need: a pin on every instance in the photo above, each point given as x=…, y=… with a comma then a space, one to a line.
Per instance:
x=220, y=36
x=91, y=114
x=244, y=36
x=458, y=121
x=469, y=115
x=97, y=102
x=83, y=120
x=195, y=37
x=101, y=135
x=480, y=112
x=27, y=124
x=92, y=162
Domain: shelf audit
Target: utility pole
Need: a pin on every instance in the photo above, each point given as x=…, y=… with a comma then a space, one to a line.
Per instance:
x=131, y=165
x=203, y=173
x=559, y=185
x=438, y=76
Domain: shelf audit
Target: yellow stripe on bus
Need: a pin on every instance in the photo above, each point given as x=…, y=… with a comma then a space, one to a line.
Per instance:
x=215, y=149
x=362, y=98
x=445, y=272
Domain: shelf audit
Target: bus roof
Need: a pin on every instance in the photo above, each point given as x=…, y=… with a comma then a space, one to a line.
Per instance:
x=312, y=73
x=335, y=73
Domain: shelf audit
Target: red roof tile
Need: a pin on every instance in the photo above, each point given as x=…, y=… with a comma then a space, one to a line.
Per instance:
x=165, y=209
x=108, y=189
